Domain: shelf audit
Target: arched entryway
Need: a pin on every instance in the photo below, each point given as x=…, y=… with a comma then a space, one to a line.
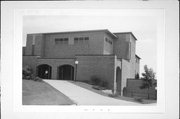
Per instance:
x=66, y=72
x=118, y=80
x=44, y=71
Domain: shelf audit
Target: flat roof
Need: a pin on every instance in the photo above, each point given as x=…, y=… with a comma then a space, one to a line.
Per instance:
x=66, y=32
x=138, y=57
x=126, y=33
x=98, y=30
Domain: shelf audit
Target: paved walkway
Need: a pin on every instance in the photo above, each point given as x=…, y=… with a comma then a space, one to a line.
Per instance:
x=83, y=96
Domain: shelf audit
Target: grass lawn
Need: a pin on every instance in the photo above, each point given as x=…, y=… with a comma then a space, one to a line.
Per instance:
x=89, y=87
x=41, y=93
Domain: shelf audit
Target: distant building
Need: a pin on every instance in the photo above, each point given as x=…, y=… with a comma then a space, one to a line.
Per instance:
x=80, y=55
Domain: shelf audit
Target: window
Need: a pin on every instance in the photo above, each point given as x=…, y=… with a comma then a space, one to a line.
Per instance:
x=75, y=40
x=61, y=40
x=86, y=38
x=108, y=41
x=80, y=40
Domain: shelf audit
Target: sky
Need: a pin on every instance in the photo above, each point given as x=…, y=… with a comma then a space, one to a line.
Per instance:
x=143, y=27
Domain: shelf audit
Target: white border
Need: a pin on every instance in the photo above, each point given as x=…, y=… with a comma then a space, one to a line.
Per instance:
x=171, y=60
x=160, y=107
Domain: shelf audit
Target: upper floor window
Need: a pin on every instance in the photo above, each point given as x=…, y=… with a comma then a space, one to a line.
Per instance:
x=78, y=40
x=108, y=41
x=61, y=40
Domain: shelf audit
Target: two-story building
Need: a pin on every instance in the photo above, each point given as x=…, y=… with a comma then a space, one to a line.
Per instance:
x=80, y=55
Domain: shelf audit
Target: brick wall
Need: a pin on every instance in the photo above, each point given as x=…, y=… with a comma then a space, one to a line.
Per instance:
x=121, y=46
x=133, y=56
x=39, y=43
x=94, y=46
x=55, y=63
x=30, y=61
x=125, y=72
x=108, y=47
x=29, y=41
x=100, y=66
x=134, y=90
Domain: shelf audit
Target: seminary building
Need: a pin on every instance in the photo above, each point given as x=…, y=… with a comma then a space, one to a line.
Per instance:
x=80, y=55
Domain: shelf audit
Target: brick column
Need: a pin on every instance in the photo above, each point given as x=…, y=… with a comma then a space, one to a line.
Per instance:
x=54, y=72
x=115, y=82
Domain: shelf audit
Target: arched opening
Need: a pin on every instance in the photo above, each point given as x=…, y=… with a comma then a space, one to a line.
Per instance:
x=66, y=72
x=118, y=80
x=44, y=71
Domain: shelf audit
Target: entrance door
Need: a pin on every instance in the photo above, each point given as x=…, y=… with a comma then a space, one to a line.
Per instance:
x=44, y=71
x=66, y=72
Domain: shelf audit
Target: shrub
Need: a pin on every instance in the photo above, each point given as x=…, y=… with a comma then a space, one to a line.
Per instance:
x=27, y=73
x=139, y=100
x=104, y=84
x=99, y=84
x=95, y=80
x=37, y=79
x=98, y=87
x=113, y=95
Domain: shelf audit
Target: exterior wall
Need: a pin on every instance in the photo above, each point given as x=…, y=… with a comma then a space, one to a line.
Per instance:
x=34, y=45
x=38, y=48
x=108, y=48
x=118, y=82
x=52, y=50
x=55, y=63
x=125, y=48
x=24, y=51
x=137, y=65
x=121, y=46
x=133, y=57
x=30, y=61
x=125, y=73
x=91, y=63
x=133, y=89
x=100, y=66
x=29, y=42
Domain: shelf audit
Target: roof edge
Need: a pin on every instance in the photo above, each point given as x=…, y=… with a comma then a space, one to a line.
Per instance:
x=126, y=33
x=137, y=56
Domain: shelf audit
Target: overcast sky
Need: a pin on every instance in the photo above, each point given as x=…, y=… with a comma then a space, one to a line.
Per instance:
x=143, y=27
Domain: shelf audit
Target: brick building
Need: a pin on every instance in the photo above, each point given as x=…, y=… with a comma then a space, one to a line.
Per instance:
x=79, y=55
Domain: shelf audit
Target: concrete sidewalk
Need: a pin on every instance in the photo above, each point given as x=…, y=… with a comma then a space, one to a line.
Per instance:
x=83, y=96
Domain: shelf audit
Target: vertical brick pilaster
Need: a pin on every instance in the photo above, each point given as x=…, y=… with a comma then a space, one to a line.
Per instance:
x=54, y=72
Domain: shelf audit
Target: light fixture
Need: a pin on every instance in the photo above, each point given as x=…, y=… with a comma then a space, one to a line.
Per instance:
x=76, y=62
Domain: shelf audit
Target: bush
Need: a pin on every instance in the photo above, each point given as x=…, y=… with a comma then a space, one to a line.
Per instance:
x=139, y=100
x=37, y=79
x=113, y=95
x=27, y=73
x=99, y=83
x=95, y=80
x=104, y=84
x=98, y=87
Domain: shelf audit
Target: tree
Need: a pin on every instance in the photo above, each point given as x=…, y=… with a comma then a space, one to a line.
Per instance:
x=148, y=78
